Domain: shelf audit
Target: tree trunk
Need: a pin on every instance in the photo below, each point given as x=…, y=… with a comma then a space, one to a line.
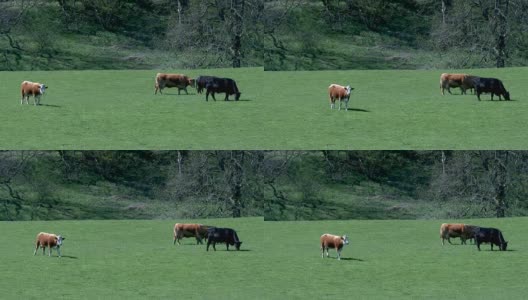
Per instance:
x=444, y=9
x=237, y=11
x=501, y=12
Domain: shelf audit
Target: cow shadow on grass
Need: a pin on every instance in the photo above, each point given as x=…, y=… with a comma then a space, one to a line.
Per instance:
x=70, y=257
x=358, y=109
x=49, y=105
x=230, y=250
x=351, y=258
x=176, y=94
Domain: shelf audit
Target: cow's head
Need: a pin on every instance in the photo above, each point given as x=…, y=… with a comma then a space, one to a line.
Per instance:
x=237, y=96
x=507, y=95
x=503, y=246
x=43, y=88
x=237, y=245
x=345, y=239
x=192, y=82
x=60, y=238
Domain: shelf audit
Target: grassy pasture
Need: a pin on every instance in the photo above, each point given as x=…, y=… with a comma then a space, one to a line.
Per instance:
x=280, y=110
x=386, y=259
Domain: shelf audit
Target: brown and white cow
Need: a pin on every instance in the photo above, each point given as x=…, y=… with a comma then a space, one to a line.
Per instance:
x=333, y=241
x=463, y=231
x=198, y=231
x=339, y=92
x=48, y=240
x=35, y=89
x=180, y=81
x=463, y=81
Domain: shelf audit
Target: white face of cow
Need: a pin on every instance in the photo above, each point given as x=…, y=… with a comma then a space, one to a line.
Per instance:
x=348, y=90
x=42, y=88
x=59, y=240
x=345, y=239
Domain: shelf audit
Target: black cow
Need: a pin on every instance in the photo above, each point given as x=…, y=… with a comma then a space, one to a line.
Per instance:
x=492, y=236
x=222, y=235
x=221, y=85
x=490, y=85
x=201, y=82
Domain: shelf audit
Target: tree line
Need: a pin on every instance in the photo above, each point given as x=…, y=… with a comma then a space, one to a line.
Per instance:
x=256, y=183
x=218, y=33
x=481, y=32
x=236, y=33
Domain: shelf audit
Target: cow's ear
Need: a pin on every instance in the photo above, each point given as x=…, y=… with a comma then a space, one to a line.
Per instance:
x=63, y=238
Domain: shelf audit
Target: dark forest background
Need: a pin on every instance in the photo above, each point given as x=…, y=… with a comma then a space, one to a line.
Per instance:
x=383, y=34
x=279, y=34
x=129, y=34
x=281, y=185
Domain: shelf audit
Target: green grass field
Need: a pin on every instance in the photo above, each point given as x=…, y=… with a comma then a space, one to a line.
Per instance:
x=280, y=110
x=386, y=259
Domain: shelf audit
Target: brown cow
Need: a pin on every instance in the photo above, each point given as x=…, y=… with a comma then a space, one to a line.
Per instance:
x=333, y=241
x=48, y=240
x=180, y=81
x=198, y=231
x=339, y=92
x=463, y=81
x=463, y=231
x=35, y=89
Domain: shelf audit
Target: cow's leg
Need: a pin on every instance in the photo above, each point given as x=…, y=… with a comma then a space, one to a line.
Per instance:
x=339, y=104
x=212, y=94
x=478, y=245
x=226, y=97
x=36, y=248
x=58, y=251
x=207, y=95
x=208, y=243
x=338, y=254
x=449, y=240
x=227, y=245
x=463, y=241
x=491, y=246
x=49, y=252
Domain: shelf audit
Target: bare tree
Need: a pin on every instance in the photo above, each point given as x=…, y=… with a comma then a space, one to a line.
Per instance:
x=12, y=165
x=11, y=16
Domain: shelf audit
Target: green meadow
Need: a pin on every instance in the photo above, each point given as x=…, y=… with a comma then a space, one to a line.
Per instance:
x=390, y=109
x=385, y=259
